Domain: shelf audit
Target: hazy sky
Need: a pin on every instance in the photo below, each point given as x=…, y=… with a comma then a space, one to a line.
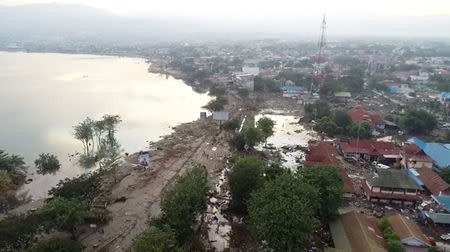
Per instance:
x=260, y=8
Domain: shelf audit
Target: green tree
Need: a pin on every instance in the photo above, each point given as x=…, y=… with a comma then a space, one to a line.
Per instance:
x=84, y=132
x=57, y=245
x=183, y=200
x=417, y=121
x=265, y=125
x=156, y=240
x=274, y=170
x=14, y=166
x=63, y=214
x=110, y=124
x=245, y=176
x=395, y=246
x=217, y=91
x=317, y=110
x=361, y=130
x=17, y=232
x=445, y=175
x=47, y=163
x=253, y=136
x=327, y=126
x=327, y=181
x=217, y=104
x=6, y=188
x=342, y=119
x=231, y=124
x=282, y=213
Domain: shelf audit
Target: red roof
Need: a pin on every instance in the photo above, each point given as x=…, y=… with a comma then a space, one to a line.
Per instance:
x=369, y=147
x=358, y=115
x=432, y=181
x=412, y=153
x=324, y=153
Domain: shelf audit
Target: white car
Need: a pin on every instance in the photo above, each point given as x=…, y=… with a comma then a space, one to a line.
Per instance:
x=445, y=237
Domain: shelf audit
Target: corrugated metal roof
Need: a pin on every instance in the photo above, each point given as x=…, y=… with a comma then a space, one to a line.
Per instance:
x=357, y=232
x=393, y=178
x=437, y=151
x=406, y=228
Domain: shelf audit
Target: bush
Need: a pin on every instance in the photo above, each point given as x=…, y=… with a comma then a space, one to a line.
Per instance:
x=156, y=240
x=231, y=124
x=185, y=198
x=392, y=239
x=17, y=232
x=47, y=163
x=384, y=223
x=245, y=176
x=395, y=246
x=57, y=245
x=253, y=136
x=238, y=141
x=63, y=214
x=84, y=187
x=282, y=213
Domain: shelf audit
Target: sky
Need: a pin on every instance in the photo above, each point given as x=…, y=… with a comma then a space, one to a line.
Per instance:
x=261, y=9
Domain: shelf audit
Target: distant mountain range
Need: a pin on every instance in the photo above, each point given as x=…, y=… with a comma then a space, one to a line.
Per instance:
x=63, y=20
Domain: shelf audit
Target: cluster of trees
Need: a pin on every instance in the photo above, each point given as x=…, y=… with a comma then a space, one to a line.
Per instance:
x=99, y=141
x=284, y=207
x=179, y=205
x=12, y=176
x=393, y=241
x=417, y=121
x=335, y=123
x=442, y=83
x=414, y=121
x=299, y=79
x=254, y=135
x=69, y=208
x=317, y=110
x=266, y=84
x=351, y=83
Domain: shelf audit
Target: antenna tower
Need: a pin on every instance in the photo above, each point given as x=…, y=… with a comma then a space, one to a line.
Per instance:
x=318, y=78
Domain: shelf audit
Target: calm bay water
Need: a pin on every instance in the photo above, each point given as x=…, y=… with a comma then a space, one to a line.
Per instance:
x=43, y=95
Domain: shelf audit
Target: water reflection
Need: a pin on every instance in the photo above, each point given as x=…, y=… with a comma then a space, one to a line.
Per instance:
x=42, y=96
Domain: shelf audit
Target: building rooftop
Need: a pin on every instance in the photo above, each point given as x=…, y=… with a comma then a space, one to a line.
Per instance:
x=440, y=153
x=432, y=181
x=393, y=178
x=407, y=229
x=357, y=232
x=358, y=115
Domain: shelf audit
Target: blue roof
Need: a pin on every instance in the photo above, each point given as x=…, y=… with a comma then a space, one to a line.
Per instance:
x=445, y=95
x=440, y=153
x=393, y=89
x=421, y=144
x=444, y=200
x=292, y=88
x=413, y=175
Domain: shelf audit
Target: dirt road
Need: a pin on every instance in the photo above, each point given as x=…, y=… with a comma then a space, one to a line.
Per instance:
x=196, y=142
